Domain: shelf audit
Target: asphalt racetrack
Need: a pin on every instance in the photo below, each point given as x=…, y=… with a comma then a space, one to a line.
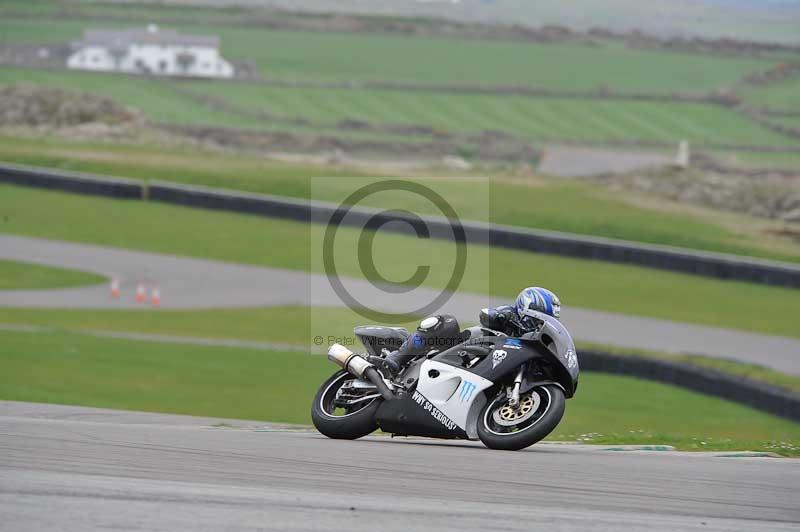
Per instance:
x=194, y=283
x=76, y=468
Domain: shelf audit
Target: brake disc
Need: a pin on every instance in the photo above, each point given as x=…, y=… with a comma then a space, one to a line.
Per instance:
x=509, y=416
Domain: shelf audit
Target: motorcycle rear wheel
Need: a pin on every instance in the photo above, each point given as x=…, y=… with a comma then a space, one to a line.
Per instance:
x=349, y=425
x=503, y=427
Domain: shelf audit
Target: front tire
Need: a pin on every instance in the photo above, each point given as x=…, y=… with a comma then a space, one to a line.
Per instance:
x=346, y=425
x=501, y=426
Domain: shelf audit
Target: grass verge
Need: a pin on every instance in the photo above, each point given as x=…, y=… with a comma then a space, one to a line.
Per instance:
x=289, y=325
x=23, y=275
x=552, y=204
x=252, y=240
x=70, y=368
x=739, y=369
x=294, y=325
x=282, y=244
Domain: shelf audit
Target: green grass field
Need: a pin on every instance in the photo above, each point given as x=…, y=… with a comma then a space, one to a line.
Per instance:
x=685, y=17
x=23, y=276
x=66, y=362
x=252, y=240
x=293, y=325
x=297, y=55
x=780, y=161
x=70, y=368
x=750, y=371
x=321, y=56
x=353, y=58
x=155, y=98
x=560, y=206
x=292, y=55
x=783, y=95
x=285, y=325
x=527, y=117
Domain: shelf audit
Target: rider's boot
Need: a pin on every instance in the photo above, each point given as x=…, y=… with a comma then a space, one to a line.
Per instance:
x=392, y=364
x=390, y=368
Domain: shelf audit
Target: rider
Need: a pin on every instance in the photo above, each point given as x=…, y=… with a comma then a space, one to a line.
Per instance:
x=442, y=332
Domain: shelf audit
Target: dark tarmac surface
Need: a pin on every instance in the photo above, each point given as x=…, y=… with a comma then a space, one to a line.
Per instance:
x=74, y=468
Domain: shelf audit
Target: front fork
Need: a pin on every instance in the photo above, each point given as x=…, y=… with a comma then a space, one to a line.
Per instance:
x=513, y=391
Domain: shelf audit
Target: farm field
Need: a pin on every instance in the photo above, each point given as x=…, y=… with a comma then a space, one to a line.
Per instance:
x=360, y=114
x=789, y=120
x=527, y=117
x=321, y=56
x=247, y=239
x=524, y=116
x=570, y=206
x=70, y=368
x=157, y=99
x=781, y=161
x=782, y=95
x=685, y=16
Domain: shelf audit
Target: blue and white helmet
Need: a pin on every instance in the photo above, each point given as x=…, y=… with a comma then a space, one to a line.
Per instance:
x=538, y=299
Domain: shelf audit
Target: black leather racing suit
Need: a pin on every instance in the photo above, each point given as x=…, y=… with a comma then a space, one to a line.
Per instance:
x=442, y=332
x=438, y=333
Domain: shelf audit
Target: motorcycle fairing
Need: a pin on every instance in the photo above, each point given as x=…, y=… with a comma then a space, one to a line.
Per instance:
x=551, y=341
x=503, y=361
x=445, y=404
x=564, y=347
x=457, y=392
x=413, y=415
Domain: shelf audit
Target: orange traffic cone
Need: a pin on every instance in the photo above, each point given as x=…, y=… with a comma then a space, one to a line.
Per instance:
x=115, y=288
x=155, y=297
x=141, y=294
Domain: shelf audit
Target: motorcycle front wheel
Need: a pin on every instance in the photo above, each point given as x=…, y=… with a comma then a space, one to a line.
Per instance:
x=501, y=426
x=342, y=423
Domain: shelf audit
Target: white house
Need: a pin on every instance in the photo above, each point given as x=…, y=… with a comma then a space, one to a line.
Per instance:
x=150, y=50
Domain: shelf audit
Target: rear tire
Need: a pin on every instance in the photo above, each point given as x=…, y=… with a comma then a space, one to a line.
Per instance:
x=505, y=428
x=345, y=426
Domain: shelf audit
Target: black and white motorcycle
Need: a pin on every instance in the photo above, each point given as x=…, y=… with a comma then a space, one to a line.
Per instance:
x=508, y=392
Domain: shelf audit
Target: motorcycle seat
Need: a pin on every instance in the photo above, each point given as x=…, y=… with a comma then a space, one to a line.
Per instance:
x=378, y=337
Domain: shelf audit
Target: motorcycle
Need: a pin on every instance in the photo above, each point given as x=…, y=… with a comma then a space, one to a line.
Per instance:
x=508, y=392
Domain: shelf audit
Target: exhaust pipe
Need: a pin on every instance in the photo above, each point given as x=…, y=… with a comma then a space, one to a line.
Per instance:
x=355, y=364
x=360, y=367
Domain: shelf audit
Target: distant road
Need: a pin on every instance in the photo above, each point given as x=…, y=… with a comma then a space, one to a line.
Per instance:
x=195, y=283
x=74, y=468
x=573, y=161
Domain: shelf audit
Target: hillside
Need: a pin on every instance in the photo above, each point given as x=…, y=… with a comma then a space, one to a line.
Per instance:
x=772, y=20
x=339, y=81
